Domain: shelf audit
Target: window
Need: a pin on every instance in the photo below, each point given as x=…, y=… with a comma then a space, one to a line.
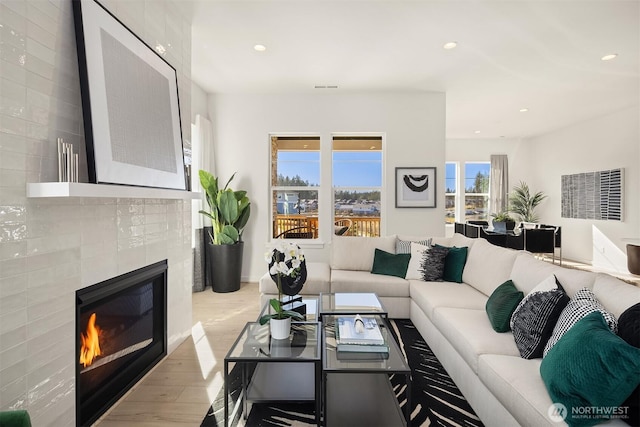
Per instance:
x=357, y=185
x=295, y=178
x=451, y=186
x=476, y=192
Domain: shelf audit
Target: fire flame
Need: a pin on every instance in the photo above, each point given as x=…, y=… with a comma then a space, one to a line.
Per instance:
x=90, y=342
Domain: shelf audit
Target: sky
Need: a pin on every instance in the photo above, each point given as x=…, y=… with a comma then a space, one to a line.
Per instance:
x=470, y=172
x=359, y=169
x=350, y=169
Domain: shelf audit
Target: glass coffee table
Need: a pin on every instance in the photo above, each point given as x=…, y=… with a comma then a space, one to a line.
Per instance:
x=356, y=387
x=275, y=370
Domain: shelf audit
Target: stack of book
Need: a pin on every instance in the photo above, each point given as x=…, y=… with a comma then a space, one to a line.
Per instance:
x=359, y=335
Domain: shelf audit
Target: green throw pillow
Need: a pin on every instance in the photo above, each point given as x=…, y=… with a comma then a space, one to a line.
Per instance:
x=590, y=369
x=390, y=264
x=501, y=305
x=454, y=264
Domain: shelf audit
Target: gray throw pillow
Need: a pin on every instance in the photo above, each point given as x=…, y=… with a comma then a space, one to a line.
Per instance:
x=432, y=265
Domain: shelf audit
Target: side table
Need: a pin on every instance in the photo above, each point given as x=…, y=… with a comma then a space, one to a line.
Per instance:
x=298, y=357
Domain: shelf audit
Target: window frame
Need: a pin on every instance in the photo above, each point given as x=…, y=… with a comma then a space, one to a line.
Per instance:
x=274, y=189
x=463, y=211
x=381, y=189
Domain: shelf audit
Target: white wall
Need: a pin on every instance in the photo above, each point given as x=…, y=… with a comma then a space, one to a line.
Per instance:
x=608, y=142
x=49, y=248
x=413, y=125
x=198, y=102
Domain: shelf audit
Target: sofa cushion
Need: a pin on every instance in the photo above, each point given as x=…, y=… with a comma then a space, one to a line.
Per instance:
x=363, y=281
x=318, y=280
x=583, y=303
x=501, y=305
x=488, y=266
x=356, y=253
x=528, y=272
x=432, y=264
x=431, y=295
x=414, y=269
x=471, y=334
x=615, y=294
x=442, y=241
x=533, y=320
x=454, y=263
x=590, y=367
x=517, y=384
x=460, y=240
x=389, y=264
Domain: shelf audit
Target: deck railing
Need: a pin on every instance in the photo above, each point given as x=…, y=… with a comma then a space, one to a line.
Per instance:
x=367, y=226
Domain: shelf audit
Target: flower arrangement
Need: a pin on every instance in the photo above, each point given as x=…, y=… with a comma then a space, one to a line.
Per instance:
x=286, y=263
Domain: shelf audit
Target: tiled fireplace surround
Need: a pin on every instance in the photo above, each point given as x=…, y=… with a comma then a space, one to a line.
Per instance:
x=49, y=248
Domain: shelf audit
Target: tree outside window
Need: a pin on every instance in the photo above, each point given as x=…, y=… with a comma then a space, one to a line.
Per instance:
x=476, y=193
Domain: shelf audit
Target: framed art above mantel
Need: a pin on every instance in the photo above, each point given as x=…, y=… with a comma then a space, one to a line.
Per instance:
x=130, y=104
x=416, y=187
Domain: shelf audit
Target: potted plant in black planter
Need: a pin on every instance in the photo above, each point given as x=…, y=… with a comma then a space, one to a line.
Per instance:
x=503, y=222
x=229, y=212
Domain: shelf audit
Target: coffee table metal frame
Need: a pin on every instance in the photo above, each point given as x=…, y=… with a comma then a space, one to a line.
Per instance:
x=257, y=332
x=394, y=364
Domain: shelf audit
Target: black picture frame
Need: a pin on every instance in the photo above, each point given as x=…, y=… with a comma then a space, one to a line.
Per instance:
x=416, y=187
x=130, y=104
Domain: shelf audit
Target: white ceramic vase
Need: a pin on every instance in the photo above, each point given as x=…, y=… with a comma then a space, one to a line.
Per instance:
x=280, y=328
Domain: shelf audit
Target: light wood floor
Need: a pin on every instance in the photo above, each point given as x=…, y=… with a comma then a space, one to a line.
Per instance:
x=179, y=391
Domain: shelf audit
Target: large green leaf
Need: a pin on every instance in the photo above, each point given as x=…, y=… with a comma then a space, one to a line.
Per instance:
x=243, y=218
x=228, y=206
x=231, y=232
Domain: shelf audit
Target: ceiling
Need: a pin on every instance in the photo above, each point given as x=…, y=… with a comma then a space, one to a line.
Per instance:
x=541, y=55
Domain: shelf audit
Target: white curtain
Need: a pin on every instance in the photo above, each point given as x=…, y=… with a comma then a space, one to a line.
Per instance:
x=202, y=158
x=499, y=183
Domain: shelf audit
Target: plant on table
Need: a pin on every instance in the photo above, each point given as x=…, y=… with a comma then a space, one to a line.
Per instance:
x=502, y=217
x=285, y=260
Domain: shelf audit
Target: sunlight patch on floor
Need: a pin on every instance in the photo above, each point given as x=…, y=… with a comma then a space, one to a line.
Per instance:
x=204, y=351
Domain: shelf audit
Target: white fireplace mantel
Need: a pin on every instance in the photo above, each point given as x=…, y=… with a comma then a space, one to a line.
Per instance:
x=80, y=189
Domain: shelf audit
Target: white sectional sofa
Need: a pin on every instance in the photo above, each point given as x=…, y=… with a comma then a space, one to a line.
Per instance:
x=503, y=388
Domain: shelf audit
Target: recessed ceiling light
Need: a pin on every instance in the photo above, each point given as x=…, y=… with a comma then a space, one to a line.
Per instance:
x=609, y=57
x=259, y=48
x=450, y=45
x=477, y=131
x=524, y=110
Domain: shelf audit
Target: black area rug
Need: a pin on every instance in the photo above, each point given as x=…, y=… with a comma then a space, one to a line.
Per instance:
x=435, y=399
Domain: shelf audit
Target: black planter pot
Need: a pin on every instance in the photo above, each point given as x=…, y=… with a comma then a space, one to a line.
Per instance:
x=224, y=266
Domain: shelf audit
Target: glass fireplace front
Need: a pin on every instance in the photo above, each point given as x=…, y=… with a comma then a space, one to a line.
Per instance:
x=121, y=335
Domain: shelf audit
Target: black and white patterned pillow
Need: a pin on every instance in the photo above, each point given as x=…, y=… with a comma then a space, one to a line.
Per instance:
x=583, y=303
x=404, y=246
x=432, y=265
x=534, y=319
